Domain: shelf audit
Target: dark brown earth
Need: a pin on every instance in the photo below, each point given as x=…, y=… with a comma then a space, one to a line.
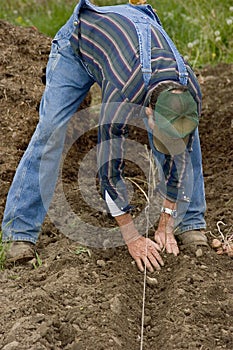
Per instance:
x=92, y=298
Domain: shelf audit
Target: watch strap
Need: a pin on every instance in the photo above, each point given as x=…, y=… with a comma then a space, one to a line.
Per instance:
x=171, y=212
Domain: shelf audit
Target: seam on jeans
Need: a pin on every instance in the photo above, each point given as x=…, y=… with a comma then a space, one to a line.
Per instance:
x=20, y=187
x=54, y=59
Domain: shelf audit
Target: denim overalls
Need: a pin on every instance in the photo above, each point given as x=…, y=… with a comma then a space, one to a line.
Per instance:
x=34, y=182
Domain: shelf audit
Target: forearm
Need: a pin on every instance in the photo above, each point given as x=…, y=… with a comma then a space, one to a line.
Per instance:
x=169, y=204
x=127, y=227
x=164, y=234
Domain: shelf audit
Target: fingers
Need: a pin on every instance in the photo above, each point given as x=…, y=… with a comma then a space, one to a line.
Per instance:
x=150, y=262
x=172, y=247
x=167, y=241
x=139, y=264
x=144, y=262
x=157, y=262
x=145, y=253
x=153, y=253
x=158, y=240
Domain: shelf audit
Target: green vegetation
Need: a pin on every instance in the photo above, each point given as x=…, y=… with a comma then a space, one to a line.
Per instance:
x=46, y=15
x=38, y=262
x=2, y=252
x=201, y=29
x=82, y=250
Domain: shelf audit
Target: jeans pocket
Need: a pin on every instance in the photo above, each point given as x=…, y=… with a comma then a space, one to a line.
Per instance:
x=52, y=62
x=58, y=44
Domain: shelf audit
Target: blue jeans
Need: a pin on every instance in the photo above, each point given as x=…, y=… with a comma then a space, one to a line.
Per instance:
x=37, y=171
x=190, y=214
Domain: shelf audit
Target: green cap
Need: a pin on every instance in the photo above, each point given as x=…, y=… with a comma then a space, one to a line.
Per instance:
x=175, y=117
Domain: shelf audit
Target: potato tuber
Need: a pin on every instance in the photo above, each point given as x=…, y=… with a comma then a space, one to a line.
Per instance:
x=216, y=243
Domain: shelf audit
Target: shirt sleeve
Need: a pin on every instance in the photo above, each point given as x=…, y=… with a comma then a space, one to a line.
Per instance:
x=112, y=132
x=114, y=210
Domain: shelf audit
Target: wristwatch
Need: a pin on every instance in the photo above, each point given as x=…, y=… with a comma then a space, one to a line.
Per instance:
x=172, y=213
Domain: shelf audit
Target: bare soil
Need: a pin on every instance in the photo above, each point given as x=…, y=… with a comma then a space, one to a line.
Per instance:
x=92, y=299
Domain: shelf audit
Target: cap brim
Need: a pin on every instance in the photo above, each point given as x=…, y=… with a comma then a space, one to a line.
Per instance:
x=168, y=145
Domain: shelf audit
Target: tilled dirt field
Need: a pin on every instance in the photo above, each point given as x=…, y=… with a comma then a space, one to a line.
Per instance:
x=86, y=299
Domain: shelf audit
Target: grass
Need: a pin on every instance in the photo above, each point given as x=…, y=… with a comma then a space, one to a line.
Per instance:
x=2, y=252
x=47, y=16
x=202, y=29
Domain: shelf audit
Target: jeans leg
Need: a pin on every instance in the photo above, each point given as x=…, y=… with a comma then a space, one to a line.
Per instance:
x=190, y=215
x=194, y=213
x=67, y=83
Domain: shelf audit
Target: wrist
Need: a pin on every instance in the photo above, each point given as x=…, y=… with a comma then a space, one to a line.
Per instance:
x=169, y=204
x=132, y=238
x=127, y=227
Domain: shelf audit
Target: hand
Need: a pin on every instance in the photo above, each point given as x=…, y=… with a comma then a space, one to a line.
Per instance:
x=142, y=250
x=164, y=235
x=145, y=253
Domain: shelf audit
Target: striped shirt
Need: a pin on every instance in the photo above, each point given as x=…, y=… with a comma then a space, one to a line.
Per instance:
x=108, y=45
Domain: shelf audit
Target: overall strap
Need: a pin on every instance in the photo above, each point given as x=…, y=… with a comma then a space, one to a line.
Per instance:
x=144, y=38
x=153, y=18
x=183, y=74
x=142, y=26
x=142, y=16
